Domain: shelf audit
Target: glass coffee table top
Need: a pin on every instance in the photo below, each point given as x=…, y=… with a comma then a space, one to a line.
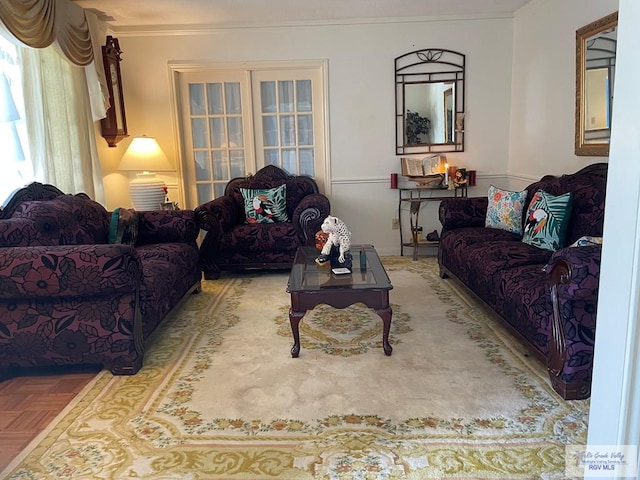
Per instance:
x=307, y=275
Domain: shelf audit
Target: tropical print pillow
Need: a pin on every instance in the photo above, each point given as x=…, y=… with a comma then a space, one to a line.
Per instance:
x=545, y=225
x=505, y=209
x=265, y=205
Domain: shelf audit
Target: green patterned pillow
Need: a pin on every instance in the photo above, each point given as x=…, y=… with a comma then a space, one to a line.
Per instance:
x=504, y=210
x=265, y=205
x=547, y=219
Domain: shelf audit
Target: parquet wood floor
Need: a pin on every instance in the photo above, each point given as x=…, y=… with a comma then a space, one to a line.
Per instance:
x=29, y=402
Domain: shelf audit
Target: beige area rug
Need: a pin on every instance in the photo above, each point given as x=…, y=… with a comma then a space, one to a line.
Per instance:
x=220, y=397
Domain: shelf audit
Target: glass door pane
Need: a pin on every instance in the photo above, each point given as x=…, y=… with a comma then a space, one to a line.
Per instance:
x=214, y=97
x=196, y=99
x=268, y=97
x=303, y=95
x=285, y=96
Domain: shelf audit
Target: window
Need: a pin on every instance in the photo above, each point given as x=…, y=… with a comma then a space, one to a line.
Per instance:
x=49, y=138
x=235, y=121
x=16, y=164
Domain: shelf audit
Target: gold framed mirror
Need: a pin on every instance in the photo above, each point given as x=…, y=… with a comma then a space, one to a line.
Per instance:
x=595, y=73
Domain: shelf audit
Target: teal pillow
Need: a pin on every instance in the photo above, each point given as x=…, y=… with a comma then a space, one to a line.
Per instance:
x=124, y=226
x=504, y=210
x=265, y=205
x=547, y=220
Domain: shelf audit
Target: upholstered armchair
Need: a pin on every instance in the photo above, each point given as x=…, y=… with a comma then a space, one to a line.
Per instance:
x=260, y=221
x=73, y=294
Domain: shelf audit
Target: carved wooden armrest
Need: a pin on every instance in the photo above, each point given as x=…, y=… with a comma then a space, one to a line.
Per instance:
x=574, y=279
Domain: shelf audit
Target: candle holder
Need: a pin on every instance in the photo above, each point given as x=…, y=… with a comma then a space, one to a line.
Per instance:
x=394, y=180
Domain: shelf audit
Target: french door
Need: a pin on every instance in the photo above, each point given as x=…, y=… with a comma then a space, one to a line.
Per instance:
x=235, y=121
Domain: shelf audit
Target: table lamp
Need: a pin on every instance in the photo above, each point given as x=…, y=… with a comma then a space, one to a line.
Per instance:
x=144, y=155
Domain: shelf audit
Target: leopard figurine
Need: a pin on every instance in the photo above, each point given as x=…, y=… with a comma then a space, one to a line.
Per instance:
x=339, y=236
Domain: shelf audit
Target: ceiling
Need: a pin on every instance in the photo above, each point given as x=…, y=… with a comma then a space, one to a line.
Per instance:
x=129, y=15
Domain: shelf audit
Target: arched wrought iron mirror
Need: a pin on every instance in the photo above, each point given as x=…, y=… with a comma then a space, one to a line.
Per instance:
x=595, y=72
x=429, y=101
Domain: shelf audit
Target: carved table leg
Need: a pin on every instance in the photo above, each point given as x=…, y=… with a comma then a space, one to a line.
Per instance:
x=294, y=319
x=385, y=315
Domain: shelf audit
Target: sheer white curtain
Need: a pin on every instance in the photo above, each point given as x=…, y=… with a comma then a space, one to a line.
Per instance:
x=54, y=65
x=59, y=123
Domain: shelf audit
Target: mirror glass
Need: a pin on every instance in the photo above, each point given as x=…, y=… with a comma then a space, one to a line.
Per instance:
x=429, y=101
x=449, y=108
x=429, y=113
x=595, y=73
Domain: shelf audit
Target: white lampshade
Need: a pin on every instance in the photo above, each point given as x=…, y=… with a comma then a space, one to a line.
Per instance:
x=144, y=155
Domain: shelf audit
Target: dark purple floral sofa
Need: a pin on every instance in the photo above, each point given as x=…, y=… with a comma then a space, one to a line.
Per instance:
x=546, y=298
x=233, y=243
x=69, y=297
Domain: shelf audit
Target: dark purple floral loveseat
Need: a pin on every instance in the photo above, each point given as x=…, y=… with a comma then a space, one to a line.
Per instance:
x=546, y=298
x=234, y=241
x=70, y=297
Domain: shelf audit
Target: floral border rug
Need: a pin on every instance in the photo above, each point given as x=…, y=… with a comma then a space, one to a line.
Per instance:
x=220, y=397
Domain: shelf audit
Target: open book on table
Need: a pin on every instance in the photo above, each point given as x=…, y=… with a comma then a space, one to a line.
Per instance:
x=433, y=166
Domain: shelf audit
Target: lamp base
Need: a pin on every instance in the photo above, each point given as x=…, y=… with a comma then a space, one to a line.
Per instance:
x=147, y=191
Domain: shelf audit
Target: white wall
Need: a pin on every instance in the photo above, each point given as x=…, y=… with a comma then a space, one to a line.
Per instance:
x=361, y=101
x=543, y=89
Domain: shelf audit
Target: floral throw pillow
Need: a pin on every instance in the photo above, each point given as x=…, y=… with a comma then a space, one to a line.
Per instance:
x=547, y=219
x=504, y=210
x=265, y=205
x=124, y=226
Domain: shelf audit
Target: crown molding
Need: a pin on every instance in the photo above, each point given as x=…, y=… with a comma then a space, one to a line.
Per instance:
x=185, y=30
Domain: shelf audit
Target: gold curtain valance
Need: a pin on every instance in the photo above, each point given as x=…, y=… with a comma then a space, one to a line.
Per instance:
x=38, y=23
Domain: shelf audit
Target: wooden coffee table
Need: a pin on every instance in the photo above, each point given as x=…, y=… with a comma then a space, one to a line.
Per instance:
x=311, y=285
